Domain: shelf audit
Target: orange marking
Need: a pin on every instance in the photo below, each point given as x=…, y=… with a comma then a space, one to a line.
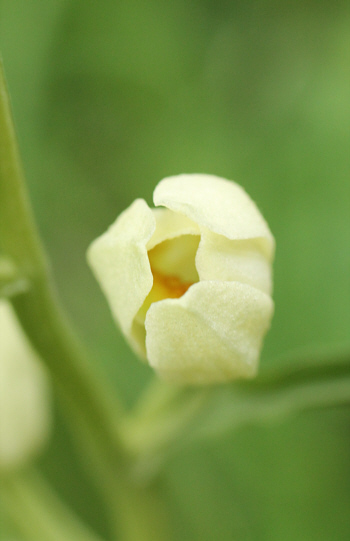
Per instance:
x=174, y=287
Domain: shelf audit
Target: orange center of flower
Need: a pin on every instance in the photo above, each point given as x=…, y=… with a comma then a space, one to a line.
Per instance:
x=173, y=269
x=169, y=287
x=164, y=287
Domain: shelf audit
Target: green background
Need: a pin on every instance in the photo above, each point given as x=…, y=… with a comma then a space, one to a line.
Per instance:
x=111, y=96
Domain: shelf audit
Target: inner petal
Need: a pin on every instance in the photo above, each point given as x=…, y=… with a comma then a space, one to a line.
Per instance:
x=173, y=269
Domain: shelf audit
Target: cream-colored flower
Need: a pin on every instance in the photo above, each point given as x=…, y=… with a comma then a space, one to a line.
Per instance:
x=190, y=282
x=24, y=395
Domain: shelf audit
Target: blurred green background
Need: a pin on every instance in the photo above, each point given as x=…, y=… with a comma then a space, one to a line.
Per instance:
x=109, y=97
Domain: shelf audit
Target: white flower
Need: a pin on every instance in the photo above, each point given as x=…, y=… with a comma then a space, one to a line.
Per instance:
x=24, y=395
x=190, y=284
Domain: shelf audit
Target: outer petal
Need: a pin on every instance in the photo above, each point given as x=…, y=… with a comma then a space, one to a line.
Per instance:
x=25, y=413
x=120, y=263
x=217, y=204
x=219, y=258
x=213, y=333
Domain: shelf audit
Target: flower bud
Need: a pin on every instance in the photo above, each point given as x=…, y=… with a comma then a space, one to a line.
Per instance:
x=189, y=283
x=24, y=395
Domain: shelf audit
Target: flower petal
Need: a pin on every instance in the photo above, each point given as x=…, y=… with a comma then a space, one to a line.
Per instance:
x=25, y=412
x=173, y=246
x=219, y=258
x=170, y=225
x=176, y=257
x=213, y=333
x=217, y=204
x=120, y=263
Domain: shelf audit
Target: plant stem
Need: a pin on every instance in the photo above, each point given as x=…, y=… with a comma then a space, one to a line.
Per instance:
x=309, y=382
x=89, y=403
x=317, y=383
x=90, y=409
x=140, y=513
x=160, y=421
x=38, y=514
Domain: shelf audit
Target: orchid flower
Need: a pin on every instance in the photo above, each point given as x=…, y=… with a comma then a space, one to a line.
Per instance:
x=189, y=282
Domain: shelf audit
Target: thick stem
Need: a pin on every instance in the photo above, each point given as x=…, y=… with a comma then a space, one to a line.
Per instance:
x=140, y=513
x=90, y=408
x=87, y=401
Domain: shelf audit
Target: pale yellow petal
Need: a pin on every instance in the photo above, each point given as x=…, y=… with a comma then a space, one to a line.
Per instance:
x=25, y=412
x=211, y=334
x=170, y=225
x=218, y=204
x=173, y=246
x=176, y=258
x=120, y=263
x=219, y=258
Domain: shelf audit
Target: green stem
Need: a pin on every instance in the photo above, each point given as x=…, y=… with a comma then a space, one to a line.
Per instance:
x=317, y=383
x=163, y=417
x=159, y=427
x=140, y=513
x=38, y=514
x=89, y=403
x=90, y=409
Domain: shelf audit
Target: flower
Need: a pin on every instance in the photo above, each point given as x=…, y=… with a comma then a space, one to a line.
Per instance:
x=190, y=282
x=24, y=395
